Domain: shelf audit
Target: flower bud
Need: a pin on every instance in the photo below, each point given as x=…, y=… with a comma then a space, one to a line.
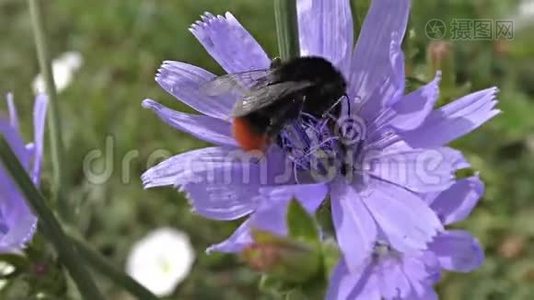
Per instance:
x=281, y=257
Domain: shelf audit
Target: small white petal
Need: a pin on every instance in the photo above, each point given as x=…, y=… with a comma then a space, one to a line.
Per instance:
x=64, y=67
x=5, y=269
x=526, y=8
x=161, y=260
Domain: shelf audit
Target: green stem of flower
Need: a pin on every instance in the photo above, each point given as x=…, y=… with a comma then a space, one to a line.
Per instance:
x=100, y=264
x=48, y=224
x=54, y=122
x=285, y=13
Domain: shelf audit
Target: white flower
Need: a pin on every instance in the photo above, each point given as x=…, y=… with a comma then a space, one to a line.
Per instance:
x=524, y=16
x=63, y=69
x=161, y=260
x=526, y=8
x=5, y=269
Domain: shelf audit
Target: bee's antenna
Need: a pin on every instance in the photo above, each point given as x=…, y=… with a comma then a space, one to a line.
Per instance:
x=332, y=107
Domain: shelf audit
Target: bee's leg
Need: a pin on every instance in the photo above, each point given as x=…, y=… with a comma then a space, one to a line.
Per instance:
x=348, y=103
x=276, y=62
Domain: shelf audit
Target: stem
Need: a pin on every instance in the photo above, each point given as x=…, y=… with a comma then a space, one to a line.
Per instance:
x=54, y=122
x=285, y=13
x=98, y=263
x=48, y=224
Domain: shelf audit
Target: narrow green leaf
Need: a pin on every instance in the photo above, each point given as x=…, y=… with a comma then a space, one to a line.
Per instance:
x=285, y=12
x=98, y=263
x=48, y=223
x=359, y=10
x=330, y=255
x=301, y=225
x=60, y=179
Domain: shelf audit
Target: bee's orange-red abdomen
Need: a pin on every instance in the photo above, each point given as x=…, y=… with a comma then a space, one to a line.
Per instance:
x=246, y=137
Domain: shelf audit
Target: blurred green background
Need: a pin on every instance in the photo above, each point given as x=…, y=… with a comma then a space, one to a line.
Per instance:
x=123, y=43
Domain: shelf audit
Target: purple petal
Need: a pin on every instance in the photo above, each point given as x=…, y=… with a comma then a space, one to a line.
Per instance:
x=344, y=285
x=185, y=81
x=355, y=228
x=178, y=169
x=341, y=283
x=372, y=67
x=221, y=183
x=15, y=142
x=405, y=219
x=206, y=128
x=224, y=202
x=413, y=109
x=270, y=216
x=18, y=224
x=396, y=57
x=427, y=293
x=309, y=195
x=271, y=213
x=456, y=203
x=457, y=251
x=236, y=242
x=12, y=109
x=381, y=142
x=326, y=29
x=394, y=283
x=39, y=119
x=422, y=271
x=433, y=268
x=419, y=170
x=454, y=120
x=387, y=92
x=229, y=43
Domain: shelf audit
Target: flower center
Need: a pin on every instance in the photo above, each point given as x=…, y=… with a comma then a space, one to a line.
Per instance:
x=382, y=251
x=323, y=147
x=308, y=141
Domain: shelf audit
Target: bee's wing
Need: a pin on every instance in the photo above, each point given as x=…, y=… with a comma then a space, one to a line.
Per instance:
x=267, y=95
x=237, y=83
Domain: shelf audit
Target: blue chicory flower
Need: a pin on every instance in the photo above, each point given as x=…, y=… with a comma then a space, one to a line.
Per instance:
x=397, y=151
x=17, y=222
x=391, y=274
x=398, y=127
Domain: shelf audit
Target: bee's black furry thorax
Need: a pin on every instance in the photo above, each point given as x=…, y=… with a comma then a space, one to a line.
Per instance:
x=328, y=83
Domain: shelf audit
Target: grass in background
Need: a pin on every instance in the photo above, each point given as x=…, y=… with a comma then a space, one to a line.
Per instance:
x=123, y=44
